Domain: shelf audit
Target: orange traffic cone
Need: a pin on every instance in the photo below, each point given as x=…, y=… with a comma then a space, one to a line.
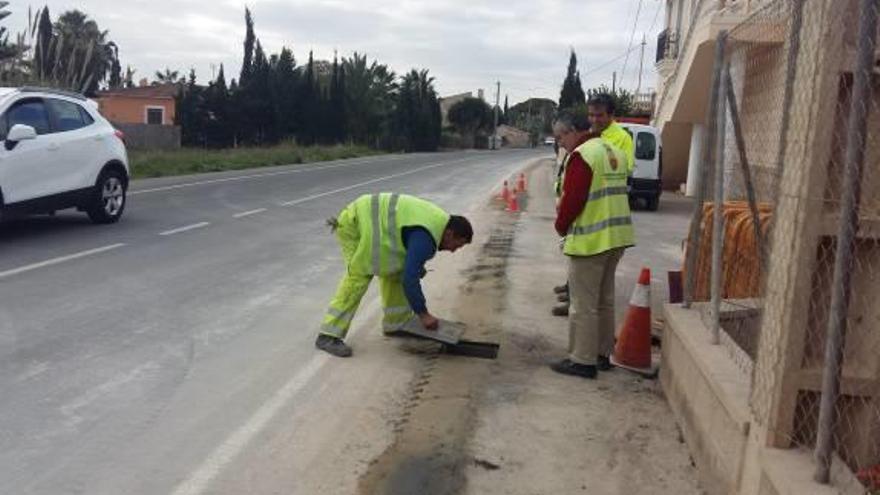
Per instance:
x=512, y=203
x=633, y=348
x=521, y=183
x=505, y=193
x=870, y=477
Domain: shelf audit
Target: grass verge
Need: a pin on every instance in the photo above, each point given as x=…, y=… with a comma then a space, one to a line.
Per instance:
x=184, y=161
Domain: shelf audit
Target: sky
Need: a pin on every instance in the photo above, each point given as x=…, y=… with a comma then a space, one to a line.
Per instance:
x=466, y=45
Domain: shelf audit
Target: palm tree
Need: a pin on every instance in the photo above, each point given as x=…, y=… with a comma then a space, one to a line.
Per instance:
x=168, y=76
x=82, y=53
x=72, y=53
x=370, y=91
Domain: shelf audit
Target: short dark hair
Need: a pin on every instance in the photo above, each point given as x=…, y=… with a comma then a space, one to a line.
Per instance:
x=602, y=100
x=572, y=120
x=461, y=227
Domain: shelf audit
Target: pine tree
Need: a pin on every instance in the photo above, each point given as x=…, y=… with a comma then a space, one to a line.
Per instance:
x=308, y=105
x=572, y=94
x=259, y=100
x=249, y=40
x=44, y=48
x=336, y=115
x=129, y=77
x=218, y=132
x=284, y=92
x=191, y=114
x=341, y=113
x=115, y=79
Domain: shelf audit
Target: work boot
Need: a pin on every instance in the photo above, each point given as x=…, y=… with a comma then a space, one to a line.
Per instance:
x=559, y=289
x=563, y=298
x=568, y=367
x=333, y=345
x=561, y=310
x=603, y=363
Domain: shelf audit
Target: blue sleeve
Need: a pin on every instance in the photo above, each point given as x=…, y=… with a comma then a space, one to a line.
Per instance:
x=419, y=249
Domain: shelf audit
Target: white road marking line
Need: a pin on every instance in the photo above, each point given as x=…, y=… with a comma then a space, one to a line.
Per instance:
x=248, y=213
x=251, y=176
x=61, y=259
x=202, y=477
x=200, y=480
x=371, y=181
x=185, y=228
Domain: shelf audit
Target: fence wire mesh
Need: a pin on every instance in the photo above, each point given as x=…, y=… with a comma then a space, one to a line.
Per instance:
x=795, y=174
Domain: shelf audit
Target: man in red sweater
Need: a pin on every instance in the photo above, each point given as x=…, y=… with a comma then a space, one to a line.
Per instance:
x=597, y=227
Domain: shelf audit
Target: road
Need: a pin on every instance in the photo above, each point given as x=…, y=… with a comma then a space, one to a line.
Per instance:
x=142, y=357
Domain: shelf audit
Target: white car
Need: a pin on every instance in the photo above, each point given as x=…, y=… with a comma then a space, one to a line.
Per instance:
x=58, y=152
x=549, y=141
x=646, y=181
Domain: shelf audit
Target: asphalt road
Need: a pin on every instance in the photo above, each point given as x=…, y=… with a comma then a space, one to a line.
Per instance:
x=131, y=353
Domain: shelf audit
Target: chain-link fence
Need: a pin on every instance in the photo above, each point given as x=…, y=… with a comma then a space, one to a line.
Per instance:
x=787, y=269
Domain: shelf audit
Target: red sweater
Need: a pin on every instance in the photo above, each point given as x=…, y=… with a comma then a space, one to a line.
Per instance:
x=575, y=191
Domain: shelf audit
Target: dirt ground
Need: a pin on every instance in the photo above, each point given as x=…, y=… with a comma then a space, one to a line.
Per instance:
x=511, y=425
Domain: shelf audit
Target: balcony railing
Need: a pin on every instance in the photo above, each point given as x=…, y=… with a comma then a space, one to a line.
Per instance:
x=667, y=45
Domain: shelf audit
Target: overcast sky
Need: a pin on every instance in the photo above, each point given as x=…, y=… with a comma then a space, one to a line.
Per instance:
x=466, y=45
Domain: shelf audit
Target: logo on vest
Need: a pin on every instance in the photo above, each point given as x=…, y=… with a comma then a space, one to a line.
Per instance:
x=612, y=160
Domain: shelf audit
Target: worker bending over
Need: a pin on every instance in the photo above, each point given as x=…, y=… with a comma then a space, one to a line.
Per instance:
x=391, y=236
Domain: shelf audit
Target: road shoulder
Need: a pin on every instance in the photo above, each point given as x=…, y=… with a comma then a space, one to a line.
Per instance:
x=511, y=425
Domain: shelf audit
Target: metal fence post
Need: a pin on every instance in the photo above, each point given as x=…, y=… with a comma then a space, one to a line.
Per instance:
x=849, y=219
x=693, y=240
x=794, y=48
x=744, y=164
x=718, y=216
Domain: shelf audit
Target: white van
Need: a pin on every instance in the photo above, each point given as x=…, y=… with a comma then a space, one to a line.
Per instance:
x=645, y=182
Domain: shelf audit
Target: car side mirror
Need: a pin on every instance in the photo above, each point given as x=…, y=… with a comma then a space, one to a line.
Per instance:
x=18, y=133
x=21, y=132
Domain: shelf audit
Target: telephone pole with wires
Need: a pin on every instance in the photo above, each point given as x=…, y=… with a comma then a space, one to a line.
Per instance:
x=497, y=103
x=641, y=66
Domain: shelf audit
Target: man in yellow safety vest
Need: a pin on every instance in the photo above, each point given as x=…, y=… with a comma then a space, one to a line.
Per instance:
x=593, y=216
x=390, y=236
x=600, y=110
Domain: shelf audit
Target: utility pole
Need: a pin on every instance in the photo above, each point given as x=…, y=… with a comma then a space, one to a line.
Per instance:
x=497, y=102
x=614, y=82
x=641, y=66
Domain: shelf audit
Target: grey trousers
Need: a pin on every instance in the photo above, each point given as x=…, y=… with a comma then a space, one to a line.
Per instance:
x=591, y=314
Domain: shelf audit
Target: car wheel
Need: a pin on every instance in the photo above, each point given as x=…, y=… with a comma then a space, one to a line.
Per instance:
x=108, y=198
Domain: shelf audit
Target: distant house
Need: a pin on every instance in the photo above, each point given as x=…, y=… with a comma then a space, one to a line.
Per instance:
x=512, y=137
x=145, y=104
x=144, y=113
x=446, y=103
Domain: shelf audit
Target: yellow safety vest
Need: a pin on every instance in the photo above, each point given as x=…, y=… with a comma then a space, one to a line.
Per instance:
x=617, y=136
x=605, y=222
x=381, y=220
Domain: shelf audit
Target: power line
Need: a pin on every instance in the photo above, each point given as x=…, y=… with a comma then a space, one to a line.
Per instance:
x=609, y=62
x=656, y=16
x=631, y=38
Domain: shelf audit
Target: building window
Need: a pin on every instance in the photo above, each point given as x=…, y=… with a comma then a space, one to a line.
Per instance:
x=155, y=115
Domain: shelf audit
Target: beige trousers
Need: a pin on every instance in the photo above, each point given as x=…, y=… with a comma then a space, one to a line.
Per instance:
x=591, y=314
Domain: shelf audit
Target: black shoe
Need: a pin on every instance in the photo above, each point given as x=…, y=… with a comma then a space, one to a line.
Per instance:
x=559, y=289
x=563, y=298
x=567, y=367
x=333, y=345
x=561, y=310
x=603, y=363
